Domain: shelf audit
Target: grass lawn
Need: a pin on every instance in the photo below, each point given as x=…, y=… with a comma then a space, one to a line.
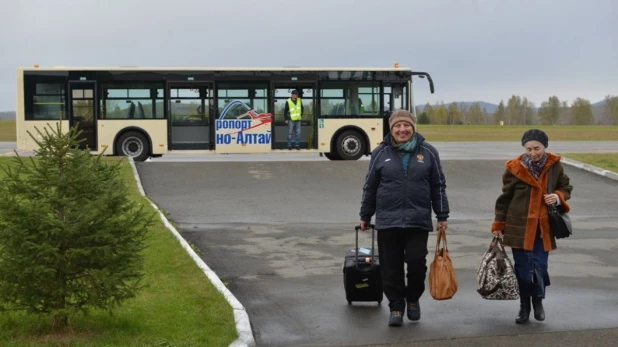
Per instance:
x=7, y=131
x=180, y=307
x=438, y=133
x=607, y=161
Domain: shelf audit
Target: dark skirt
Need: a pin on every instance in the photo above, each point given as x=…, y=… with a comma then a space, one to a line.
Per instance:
x=531, y=269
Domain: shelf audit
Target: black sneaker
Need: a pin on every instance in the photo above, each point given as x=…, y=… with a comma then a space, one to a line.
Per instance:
x=289, y=148
x=395, y=319
x=297, y=148
x=414, y=310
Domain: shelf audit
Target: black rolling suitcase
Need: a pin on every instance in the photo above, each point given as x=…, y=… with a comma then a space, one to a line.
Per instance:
x=362, y=280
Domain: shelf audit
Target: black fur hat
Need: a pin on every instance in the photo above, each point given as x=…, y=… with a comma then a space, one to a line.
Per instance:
x=535, y=135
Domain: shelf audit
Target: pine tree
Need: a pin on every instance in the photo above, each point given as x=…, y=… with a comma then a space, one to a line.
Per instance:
x=582, y=112
x=476, y=116
x=500, y=114
x=453, y=114
x=513, y=110
x=429, y=110
x=423, y=118
x=440, y=114
x=611, y=109
x=70, y=236
x=549, y=113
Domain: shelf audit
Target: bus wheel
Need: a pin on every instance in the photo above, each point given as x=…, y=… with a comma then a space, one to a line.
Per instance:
x=350, y=145
x=332, y=156
x=133, y=144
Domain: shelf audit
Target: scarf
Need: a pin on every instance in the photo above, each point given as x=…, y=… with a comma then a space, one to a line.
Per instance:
x=534, y=167
x=404, y=149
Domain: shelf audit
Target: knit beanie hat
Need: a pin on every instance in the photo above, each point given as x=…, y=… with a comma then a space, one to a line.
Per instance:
x=402, y=115
x=535, y=135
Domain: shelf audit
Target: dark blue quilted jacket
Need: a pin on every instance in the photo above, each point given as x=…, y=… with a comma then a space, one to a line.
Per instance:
x=404, y=198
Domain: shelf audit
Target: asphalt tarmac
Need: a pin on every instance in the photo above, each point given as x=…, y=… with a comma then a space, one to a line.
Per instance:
x=448, y=151
x=276, y=233
x=6, y=148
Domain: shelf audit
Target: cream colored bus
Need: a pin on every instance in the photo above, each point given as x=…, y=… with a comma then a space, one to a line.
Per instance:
x=143, y=112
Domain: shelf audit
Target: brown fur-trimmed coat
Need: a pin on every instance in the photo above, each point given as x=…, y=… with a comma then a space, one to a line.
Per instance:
x=521, y=207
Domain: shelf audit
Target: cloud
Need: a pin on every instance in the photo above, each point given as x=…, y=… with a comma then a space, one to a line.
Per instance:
x=475, y=50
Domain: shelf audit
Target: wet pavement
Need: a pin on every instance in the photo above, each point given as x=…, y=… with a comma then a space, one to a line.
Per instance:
x=448, y=150
x=276, y=233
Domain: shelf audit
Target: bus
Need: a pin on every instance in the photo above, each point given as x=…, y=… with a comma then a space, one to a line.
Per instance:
x=149, y=112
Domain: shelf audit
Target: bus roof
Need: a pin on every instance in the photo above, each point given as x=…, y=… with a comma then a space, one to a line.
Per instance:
x=190, y=68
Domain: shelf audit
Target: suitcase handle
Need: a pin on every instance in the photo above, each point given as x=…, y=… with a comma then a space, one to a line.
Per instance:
x=373, y=230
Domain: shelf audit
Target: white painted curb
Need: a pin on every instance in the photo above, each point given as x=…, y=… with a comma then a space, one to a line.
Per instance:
x=243, y=327
x=590, y=168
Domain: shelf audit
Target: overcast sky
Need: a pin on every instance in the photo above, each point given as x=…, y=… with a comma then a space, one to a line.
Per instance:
x=474, y=49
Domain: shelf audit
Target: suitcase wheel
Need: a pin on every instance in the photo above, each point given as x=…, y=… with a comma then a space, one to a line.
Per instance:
x=349, y=302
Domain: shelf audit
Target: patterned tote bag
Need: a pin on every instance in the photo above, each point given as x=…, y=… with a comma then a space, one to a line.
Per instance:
x=496, y=276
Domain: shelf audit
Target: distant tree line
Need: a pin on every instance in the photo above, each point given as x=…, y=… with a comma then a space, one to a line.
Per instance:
x=521, y=111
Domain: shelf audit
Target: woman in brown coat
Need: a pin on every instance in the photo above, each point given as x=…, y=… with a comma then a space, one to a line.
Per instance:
x=522, y=220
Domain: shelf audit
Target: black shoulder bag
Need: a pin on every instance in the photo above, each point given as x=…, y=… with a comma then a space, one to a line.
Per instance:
x=559, y=223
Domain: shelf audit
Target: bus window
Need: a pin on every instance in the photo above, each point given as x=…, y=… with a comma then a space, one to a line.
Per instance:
x=44, y=100
x=358, y=99
x=186, y=105
x=235, y=102
x=131, y=101
x=395, y=97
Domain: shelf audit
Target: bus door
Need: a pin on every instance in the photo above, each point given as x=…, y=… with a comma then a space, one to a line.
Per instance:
x=82, y=112
x=190, y=112
x=396, y=96
x=308, y=132
x=244, y=122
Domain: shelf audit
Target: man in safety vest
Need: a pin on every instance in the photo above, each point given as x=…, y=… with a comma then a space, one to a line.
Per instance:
x=293, y=113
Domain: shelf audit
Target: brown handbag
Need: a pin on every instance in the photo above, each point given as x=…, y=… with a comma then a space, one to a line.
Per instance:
x=442, y=278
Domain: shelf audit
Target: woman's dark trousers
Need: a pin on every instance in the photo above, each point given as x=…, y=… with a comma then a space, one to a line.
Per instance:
x=396, y=246
x=532, y=277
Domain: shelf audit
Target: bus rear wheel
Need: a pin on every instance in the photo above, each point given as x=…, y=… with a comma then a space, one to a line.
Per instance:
x=350, y=145
x=133, y=144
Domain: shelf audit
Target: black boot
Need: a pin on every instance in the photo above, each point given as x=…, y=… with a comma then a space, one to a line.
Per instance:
x=539, y=311
x=524, y=311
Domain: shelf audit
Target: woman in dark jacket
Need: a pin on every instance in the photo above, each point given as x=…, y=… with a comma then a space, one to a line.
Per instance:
x=404, y=182
x=522, y=220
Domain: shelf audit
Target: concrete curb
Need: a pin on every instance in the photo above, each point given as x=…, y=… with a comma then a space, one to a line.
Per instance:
x=590, y=168
x=243, y=327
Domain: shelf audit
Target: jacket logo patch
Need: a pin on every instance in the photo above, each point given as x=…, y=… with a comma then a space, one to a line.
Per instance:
x=420, y=158
x=389, y=159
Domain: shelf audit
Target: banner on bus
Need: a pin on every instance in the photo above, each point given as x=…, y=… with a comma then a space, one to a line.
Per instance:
x=240, y=129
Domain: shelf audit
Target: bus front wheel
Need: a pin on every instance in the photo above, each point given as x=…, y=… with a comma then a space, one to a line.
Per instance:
x=133, y=144
x=350, y=145
x=332, y=156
